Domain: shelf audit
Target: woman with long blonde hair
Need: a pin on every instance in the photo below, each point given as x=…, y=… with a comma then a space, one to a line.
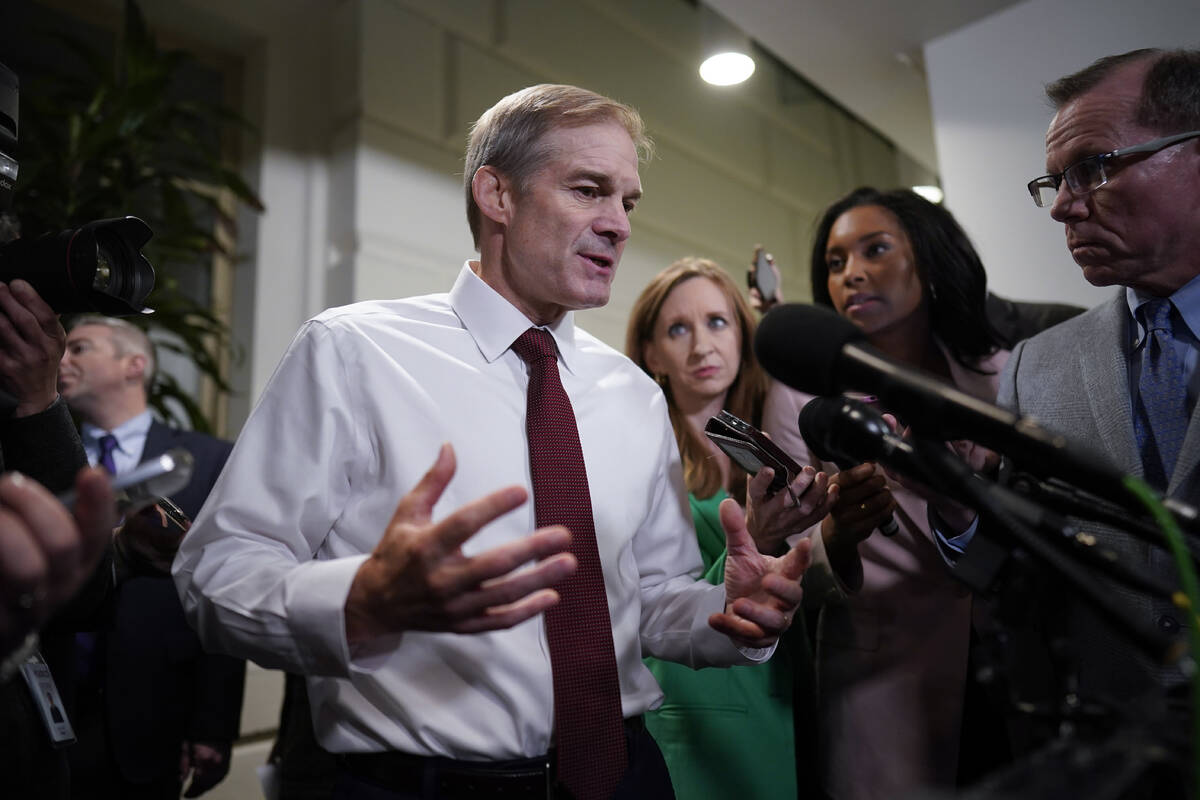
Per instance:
x=723, y=732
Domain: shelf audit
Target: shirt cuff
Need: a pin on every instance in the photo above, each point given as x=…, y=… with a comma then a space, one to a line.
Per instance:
x=951, y=547
x=319, y=626
x=712, y=648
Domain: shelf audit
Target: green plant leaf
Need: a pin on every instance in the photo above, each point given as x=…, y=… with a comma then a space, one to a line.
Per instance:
x=118, y=137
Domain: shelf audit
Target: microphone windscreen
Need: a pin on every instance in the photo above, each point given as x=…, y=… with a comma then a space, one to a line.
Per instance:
x=799, y=345
x=816, y=419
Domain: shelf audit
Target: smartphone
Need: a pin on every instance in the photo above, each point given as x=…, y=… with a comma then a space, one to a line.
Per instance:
x=761, y=276
x=148, y=482
x=750, y=449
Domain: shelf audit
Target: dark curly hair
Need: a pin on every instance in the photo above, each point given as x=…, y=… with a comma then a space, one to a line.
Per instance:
x=949, y=268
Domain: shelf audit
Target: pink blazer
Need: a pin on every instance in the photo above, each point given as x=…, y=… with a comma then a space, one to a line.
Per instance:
x=891, y=656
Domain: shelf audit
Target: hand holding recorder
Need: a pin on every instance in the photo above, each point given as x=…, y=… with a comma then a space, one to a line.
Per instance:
x=783, y=498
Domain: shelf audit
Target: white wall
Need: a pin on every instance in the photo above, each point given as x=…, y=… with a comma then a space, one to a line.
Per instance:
x=990, y=116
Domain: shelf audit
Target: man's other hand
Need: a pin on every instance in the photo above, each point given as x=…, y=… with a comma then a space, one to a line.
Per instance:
x=762, y=592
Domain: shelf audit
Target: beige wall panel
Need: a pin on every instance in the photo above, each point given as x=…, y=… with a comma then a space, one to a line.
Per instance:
x=678, y=29
x=242, y=782
x=345, y=62
x=481, y=78
x=875, y=159
x=845, y=159
x=805, y=176
x=402, y=68
x=565, y=41
x=672, y=25
x=793, y=105
x=474, y=19
x=411, y=234
x=687, y=198
x=261, y=701
x=408, y=187
x=342, y=214
x=387, y=269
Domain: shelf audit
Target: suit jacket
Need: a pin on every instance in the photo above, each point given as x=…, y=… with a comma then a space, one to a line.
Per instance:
x=161, y=687
x=1074, y=378
x=891, y=656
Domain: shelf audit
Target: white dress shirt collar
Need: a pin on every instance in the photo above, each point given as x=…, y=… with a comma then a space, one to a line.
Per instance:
x=495, y=323
x=131, y=440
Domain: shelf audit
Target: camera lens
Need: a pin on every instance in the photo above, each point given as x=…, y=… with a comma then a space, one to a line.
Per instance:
x=97, y=267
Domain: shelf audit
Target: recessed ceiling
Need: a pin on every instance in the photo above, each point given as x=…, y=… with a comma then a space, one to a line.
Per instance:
x=866, y=54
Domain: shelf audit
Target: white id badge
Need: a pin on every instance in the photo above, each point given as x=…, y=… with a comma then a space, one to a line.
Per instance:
x=45, y=696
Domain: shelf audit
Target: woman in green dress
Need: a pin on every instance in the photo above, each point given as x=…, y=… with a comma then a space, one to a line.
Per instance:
x=724, y=732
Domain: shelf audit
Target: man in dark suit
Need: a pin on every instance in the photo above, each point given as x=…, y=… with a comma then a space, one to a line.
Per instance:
x=152, y=708
x=1123, y=153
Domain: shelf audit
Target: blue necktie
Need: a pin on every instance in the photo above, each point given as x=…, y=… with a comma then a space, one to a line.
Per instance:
x=1162, y=420
x=108, y=443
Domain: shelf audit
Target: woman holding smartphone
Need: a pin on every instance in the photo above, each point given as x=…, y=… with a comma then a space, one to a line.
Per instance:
x=892, y=644
x=723, y=732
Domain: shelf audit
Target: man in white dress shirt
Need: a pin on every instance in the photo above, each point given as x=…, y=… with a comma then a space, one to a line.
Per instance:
x=302, y=560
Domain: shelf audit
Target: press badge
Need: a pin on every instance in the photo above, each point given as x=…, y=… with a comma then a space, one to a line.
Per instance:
x=45, y=696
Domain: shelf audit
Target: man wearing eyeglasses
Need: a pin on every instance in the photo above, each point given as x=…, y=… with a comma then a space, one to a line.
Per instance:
x=1123, y=153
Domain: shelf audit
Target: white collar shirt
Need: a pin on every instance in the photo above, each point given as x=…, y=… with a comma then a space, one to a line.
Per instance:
x=131, y=441
x=352, y=418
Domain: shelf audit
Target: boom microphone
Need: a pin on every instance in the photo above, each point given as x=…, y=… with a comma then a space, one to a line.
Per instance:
x=813, y=349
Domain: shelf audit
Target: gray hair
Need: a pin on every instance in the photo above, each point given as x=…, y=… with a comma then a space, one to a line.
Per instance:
x=127, y=338
x=509, y=135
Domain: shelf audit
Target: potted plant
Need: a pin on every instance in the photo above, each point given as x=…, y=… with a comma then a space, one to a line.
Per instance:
x=116, y=136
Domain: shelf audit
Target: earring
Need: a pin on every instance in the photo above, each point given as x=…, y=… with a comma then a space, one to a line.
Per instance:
x=661, y=380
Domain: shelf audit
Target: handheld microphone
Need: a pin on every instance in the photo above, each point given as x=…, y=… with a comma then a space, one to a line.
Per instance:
x=836, y=430
x=813, y=349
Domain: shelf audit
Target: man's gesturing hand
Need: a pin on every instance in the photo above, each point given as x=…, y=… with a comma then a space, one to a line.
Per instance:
x=761, y=592
x=417, y=578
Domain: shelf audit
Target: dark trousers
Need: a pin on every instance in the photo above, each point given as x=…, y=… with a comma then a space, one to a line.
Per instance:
x=95, y=774
x=645, y=778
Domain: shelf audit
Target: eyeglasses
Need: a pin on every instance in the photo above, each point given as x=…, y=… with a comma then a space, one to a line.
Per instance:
x=1089, y=174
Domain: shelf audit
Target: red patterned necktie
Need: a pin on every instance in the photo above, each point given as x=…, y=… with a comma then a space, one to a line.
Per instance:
x=587, y=693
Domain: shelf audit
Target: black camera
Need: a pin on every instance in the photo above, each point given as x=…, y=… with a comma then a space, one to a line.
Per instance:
x=95, y=267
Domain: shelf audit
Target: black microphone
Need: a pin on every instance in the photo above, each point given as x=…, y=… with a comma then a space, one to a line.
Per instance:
x=841, y=430
x=813, y=349
x=848, y=431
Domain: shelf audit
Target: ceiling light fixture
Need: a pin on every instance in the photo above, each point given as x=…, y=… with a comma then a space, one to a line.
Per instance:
x=933, y=194
x=727, y=69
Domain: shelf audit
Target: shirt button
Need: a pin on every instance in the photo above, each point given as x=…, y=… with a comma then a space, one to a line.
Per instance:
x=1168, y=623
